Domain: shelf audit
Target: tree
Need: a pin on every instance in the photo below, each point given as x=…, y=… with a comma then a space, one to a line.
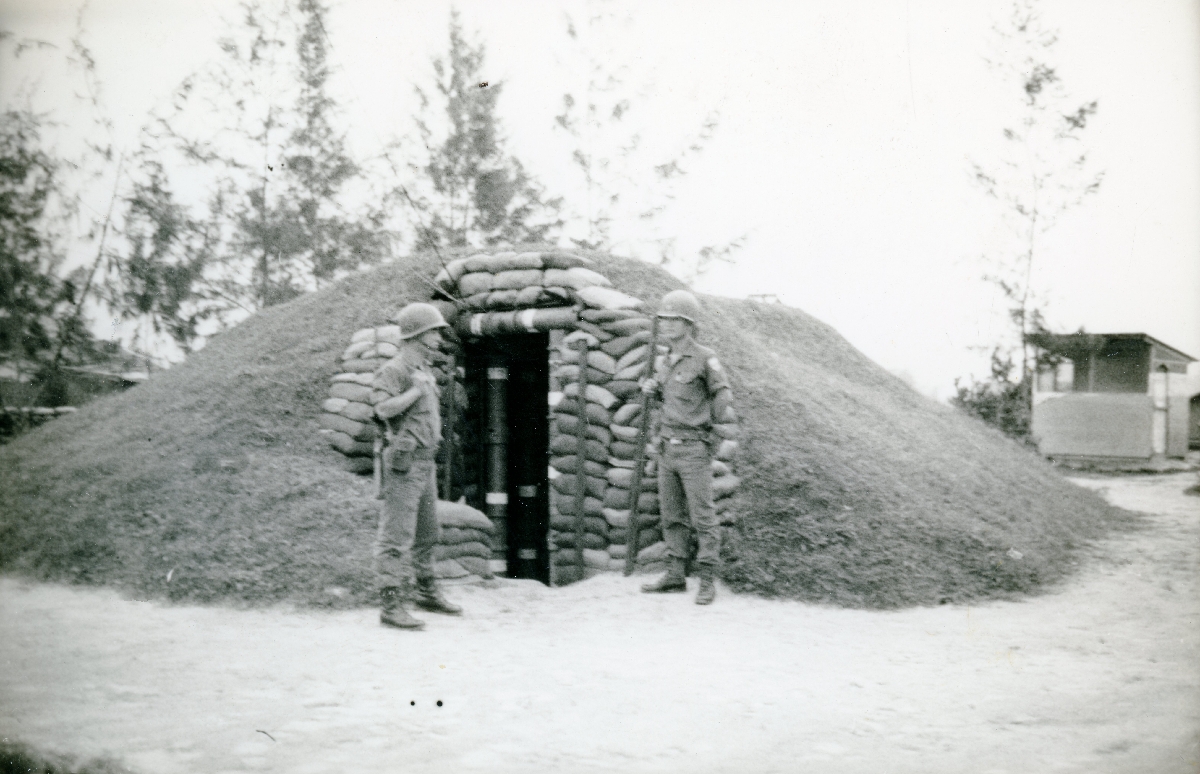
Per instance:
x=275, y=222
x=1042, y=173
x=469, y=189
x=621, y=206
x=40, y=329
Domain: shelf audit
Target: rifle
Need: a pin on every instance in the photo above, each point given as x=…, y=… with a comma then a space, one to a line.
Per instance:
x=378, y=465
x=635, y=487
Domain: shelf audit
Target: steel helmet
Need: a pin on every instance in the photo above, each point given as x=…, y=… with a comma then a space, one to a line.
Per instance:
x=682, y=304
x=415, y=319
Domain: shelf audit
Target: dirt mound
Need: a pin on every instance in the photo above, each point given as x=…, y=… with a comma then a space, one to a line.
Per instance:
x=211, y=482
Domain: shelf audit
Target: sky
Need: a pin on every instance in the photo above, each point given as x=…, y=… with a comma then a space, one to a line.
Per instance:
x=843, y=152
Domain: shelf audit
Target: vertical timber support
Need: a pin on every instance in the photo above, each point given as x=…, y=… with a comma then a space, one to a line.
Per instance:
x=451, y=423
x=497, y=444
x=581, y=454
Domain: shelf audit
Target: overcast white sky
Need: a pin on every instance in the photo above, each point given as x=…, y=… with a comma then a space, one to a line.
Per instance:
x=843, y=151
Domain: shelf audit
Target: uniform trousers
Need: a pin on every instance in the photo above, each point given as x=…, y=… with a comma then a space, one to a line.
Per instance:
x=685, y=501
x=408, y=526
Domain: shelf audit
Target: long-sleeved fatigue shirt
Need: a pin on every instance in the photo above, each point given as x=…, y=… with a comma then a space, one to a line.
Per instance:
x=694, y=390
x=423, y=419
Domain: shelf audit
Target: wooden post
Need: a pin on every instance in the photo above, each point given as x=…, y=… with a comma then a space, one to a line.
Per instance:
x=635, y=486
x=581, y=454
x=451, y=414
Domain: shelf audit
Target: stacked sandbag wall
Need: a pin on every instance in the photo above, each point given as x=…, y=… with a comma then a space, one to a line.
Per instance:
x=607, y=338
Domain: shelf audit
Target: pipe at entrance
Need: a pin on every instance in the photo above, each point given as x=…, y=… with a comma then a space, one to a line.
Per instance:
x=497, y=443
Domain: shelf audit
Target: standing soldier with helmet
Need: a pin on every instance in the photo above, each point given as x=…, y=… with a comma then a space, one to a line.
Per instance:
x=695, y=394
x=408, y=527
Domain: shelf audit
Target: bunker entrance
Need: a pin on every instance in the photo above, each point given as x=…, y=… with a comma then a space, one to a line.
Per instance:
x=504, y=442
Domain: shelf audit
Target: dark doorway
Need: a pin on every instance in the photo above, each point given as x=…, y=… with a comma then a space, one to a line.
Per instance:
x=507, y=380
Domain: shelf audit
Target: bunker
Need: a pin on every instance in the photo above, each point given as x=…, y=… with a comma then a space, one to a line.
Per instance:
x=541, y=413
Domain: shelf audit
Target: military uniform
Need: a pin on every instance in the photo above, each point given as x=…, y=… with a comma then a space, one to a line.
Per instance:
x=695, y=393
x=408, y=526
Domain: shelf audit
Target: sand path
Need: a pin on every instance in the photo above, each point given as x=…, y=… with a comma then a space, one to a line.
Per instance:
x=1103, y=676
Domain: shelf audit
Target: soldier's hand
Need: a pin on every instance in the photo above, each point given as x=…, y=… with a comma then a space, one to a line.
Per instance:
x=650, y=386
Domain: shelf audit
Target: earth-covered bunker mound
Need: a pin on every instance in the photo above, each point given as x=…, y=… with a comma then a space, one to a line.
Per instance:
x=212, y=481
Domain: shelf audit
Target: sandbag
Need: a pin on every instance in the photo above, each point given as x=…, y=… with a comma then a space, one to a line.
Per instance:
x=456, y=268
x=566, y=559
x=601, y=316
x=648, y=502
x=565, y=484
x=388, y=334
x=634, y=357
x=352, y=392
x=476, y=282
x=567, y=539
x=720, y=468
x=725, y=486
x=501, y=299
x=517, y=279
x=631, y=373
x=354, y=378
x=624, y=450
x=727, y=450
x=623, y=389
x=475, y=565
x=449, y=535
x=384, y=349
x=521, y=261
x=359, y=465
x=624, y=432
x=623, y=478
x=363, y=334
x=479, y=262
x=570, y=373
x=619, y=346
x=568, y=343
x=530, y=296
x=609, y=298
x=350, y=447
x=600, y=334
x=626, y=414
x=568, y=424
x=602, y=362
x=565, y=522
x=369, y=365
x=477, y=300
x=596, y=414
x=463, y=516
x=569, y=444
x=594, y=394
x=630, y=326
x=564, y=261
x=726, y=430
x=359, y=431
x=616, y=498
x=568, y=464
x=359, y=412
x=354, y=350
x=334, y=405
x=448, y=569
x=617, y=517
x=480, y=550
x=595, y=558
x=617, y=551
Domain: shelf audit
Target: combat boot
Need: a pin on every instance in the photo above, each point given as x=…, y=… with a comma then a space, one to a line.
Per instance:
x=708, y=590
x=393, y=612
x=429, y=597
x=673, y=582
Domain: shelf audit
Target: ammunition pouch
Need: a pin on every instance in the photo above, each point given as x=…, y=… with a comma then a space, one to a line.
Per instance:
x=398, y=454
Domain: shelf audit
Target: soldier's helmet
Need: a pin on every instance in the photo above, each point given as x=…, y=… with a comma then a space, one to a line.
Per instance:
x=681, y=304
x=415, y=319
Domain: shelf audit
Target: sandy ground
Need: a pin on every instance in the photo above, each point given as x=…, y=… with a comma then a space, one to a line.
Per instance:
x=1103, y=676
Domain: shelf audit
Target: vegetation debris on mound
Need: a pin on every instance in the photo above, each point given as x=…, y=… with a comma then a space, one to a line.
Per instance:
x=210, y=481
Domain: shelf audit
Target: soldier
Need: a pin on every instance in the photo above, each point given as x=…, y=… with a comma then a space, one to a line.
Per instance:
x=695, y=393
x=408, y=527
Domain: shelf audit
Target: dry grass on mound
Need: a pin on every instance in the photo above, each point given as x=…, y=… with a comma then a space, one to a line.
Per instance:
x=210, y=482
